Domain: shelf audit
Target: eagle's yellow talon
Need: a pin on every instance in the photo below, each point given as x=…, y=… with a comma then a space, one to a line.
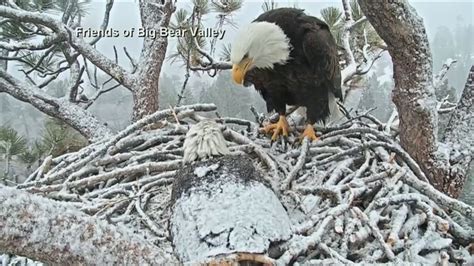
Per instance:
x=279, y=128
x=310, y=133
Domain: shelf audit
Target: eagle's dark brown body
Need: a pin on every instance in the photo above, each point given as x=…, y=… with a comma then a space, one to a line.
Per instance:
x=311, y=72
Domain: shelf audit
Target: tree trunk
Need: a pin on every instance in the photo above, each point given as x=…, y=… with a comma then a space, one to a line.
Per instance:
x=398, y=24
x=57, y=233
x=223, y=212
x=145, y=90
x=458, y=136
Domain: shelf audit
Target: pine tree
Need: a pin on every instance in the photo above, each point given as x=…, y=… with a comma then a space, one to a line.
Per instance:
x=333, y=16
x=443, y=47
x=11, y=145
x=58, y=138
x=377, y=95
x=188, y=48
x=14, y=30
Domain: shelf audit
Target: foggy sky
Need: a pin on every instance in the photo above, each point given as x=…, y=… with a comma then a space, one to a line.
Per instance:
x=125, y=15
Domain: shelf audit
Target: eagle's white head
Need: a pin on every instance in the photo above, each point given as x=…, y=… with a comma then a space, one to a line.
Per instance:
x=204, y=140
x=259, y=45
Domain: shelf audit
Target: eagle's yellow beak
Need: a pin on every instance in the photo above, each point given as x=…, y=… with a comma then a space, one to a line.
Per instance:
x=239, y=70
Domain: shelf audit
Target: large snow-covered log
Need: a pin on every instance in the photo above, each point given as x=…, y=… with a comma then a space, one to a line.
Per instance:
x=223, y=206
x=57, y=233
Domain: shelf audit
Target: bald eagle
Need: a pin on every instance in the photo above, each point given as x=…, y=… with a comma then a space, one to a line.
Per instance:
x=204, y=140
x=291, y=59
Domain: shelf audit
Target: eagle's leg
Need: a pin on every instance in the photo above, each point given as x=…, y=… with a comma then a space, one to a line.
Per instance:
x=279, y=128
x=309, y=132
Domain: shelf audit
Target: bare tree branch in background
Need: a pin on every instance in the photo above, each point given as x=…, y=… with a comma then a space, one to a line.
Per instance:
x=195, y=15
x=441, y=76
x=361, y=64
x=414, y=96
x=191, y=49
x=41, y=59
x=200, y=59
x=57, y=49
x=60, y=108
x=444, y=106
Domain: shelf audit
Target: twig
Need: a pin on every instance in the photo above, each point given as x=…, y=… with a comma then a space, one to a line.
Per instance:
x=298, y=166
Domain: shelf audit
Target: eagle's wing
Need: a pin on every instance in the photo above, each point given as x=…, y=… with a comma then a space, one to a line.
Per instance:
x=320, y=50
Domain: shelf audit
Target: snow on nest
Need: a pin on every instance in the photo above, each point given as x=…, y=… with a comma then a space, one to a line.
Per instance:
x=202, y=171
x=221, y=217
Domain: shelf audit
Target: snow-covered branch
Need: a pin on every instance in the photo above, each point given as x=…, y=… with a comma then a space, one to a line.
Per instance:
x=352, y=70
x=445, y=106
x=45, y=43
x=346, y=34
x=206, y=61
x=107, y=65
x=64, y=33
x=61, y=108
x=32, y=17
x=441, y=76
x=357, y=22
x=57, y=233
x=210, y=63
x=355, y=67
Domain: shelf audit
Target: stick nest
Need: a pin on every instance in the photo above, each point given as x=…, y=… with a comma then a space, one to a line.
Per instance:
x=353, y=196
